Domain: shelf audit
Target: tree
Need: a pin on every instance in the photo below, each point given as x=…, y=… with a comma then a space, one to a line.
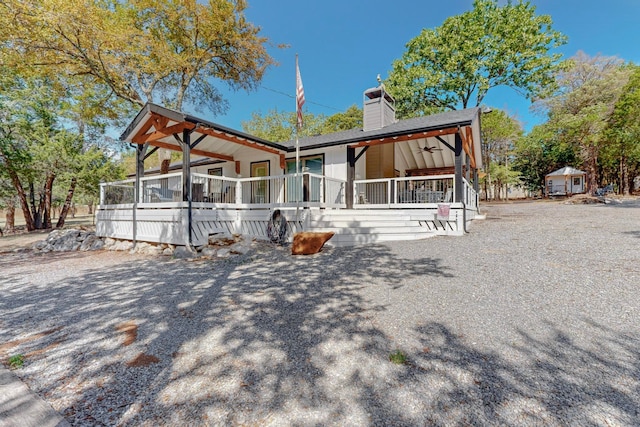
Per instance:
x=35, y=149
x=279, y=126
x=456, y=64
x=7, y=198
x=622, y=154
x=539, y=152
x=117, y=55
x=352, y=118
x=142, y=50
x=499, y=133
x=589, y=89
x=91, y=166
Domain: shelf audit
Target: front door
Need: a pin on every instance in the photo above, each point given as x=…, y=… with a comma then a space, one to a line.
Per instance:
x=260, y=189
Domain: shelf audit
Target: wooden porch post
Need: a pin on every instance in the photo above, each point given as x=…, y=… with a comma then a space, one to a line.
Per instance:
x=476, y=181
x=351, y=174
x=467, y=167
x=186, y=180
x=141, y=150
x=458, y=185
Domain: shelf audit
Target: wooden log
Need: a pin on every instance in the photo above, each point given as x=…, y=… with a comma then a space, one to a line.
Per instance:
x=309, y=242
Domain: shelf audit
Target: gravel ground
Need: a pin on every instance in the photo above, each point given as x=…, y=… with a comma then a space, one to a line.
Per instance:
x=530, y=319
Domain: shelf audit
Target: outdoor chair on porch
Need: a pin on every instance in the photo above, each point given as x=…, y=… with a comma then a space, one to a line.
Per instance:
x=157, y=195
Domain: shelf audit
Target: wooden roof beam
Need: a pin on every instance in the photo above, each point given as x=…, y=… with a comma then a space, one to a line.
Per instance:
x=472, y=145
x=162, y=133
x=236, y=140
x=466, y=145
x=408, y=137
x=145, y=127
x=193, y=151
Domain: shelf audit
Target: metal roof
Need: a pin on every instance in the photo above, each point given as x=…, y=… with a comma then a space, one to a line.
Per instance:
x=402, y=127
x=567, y=170
x=158, y=124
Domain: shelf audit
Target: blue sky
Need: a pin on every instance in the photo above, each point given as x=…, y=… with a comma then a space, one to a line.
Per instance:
x=343, y=45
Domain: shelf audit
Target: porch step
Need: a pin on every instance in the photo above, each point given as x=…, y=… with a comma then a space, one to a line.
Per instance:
x=351, y=239
x=345, y=223
x=354, y=227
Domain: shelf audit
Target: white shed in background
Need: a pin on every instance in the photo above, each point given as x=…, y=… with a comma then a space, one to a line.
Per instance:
x=565, y=182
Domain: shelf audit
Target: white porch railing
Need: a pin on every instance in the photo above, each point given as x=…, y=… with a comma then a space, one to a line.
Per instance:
x=304, y=190
x=161, y=189
x=403, y=192
x=118, y=193
x=213, y=189
x=470, y=195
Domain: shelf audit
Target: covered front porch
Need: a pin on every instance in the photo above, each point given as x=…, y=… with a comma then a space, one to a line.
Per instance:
x=392, y=180
x=406, y=207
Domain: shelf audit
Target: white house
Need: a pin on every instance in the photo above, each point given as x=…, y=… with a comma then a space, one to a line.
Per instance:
x=565, y=182
x=406, y=179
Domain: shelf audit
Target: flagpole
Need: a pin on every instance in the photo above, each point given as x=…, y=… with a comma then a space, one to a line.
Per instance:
x=299, y=102
x=297, y=179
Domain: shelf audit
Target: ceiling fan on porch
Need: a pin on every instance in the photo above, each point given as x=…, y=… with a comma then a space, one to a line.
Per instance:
x=428, y=149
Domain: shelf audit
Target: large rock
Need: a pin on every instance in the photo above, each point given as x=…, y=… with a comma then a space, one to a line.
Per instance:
x=69, y=240
x=309, y=242
x=240, y=248
x=208, y=252
x=223, y=253
x=182, y=252
x=88, y=242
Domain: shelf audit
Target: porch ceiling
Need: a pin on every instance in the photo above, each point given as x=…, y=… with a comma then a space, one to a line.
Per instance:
x=433, y=148
x=423, y=153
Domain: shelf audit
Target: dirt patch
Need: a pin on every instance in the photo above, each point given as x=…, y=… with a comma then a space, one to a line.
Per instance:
x=41, y=351
x=130, y=330
x=6, y=347
x=142, y=359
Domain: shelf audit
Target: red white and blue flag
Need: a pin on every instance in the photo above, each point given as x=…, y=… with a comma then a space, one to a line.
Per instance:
x=299, y=94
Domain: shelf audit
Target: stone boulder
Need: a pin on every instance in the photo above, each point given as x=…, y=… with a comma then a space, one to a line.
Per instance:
x=309, y=242
x=183, y=252
x=69, y=240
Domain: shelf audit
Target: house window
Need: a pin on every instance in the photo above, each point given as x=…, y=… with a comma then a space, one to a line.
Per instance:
x=314, y=164
x=215, y=171
x=576, y=181
x=308, y=189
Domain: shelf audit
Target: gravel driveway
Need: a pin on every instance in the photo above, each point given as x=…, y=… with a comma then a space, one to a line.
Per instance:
x=530, y=319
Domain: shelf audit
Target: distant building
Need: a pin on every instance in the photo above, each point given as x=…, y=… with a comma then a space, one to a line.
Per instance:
x=565, y=182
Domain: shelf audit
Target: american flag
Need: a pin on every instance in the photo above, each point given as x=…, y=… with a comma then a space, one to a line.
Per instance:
x=299, y=94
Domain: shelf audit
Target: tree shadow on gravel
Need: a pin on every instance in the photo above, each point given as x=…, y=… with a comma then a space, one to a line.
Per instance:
x=266, y=338
x=555, y=380
x=260, y=338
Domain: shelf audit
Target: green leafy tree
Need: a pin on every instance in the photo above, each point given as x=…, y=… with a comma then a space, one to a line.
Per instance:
x=539, y=152
x=579, y=112
x=7, y=198
x=455, y=65
x=36, y=149
x=118, y=55
x=280, y=126
x=352, y=118
x=621, y=157
x=499, y=134
x=142, y=51
x=92, y=166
